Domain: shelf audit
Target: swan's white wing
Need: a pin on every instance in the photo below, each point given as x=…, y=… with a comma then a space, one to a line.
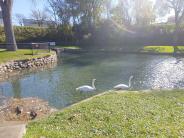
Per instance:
x=85, y=88
x=121, y=87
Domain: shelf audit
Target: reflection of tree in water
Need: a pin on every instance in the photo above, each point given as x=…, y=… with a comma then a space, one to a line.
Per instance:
x=16, y=88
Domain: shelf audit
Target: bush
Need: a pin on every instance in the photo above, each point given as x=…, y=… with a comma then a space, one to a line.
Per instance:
x=107, y=35
x=28, y=34
x=2, y=35
x=37, y=34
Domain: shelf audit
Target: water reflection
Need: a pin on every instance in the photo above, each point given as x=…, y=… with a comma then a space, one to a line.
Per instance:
x=16, y=88
x=58, y=85
x=163, y=74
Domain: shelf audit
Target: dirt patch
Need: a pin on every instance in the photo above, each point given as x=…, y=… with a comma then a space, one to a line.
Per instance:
x=24, y=109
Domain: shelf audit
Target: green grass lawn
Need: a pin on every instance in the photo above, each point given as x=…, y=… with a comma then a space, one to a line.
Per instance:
x=163, y=49
x=6, y=56
x=70, y=47
x=116, y=115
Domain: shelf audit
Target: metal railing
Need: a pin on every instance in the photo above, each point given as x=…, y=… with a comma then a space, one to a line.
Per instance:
x=46, y=46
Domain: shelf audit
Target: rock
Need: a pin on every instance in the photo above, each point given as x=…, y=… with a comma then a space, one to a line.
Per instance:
x=9, y=67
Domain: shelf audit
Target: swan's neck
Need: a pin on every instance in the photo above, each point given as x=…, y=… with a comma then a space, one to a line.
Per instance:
x=93, y=84
x=130, y=82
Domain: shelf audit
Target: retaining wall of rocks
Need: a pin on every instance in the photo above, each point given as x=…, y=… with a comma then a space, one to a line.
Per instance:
x=27, y=64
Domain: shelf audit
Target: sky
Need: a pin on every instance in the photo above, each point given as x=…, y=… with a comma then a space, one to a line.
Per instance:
x=25, y=6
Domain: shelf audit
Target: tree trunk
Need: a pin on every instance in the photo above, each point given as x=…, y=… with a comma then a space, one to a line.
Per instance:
x=176, y=32
x=6, y=7
x=176, y=38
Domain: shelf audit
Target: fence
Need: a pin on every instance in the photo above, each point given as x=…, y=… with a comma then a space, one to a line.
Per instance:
x=35, y=47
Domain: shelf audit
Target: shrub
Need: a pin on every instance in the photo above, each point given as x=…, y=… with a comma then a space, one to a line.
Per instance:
x=37, y=34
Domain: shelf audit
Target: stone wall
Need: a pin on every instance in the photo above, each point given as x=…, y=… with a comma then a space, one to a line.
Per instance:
x=27, y=64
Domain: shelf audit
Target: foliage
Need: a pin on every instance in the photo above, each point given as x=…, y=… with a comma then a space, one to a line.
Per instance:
x=139, y=12
x=20, y=19
x=108, y=35
x=27, y=34
x=2, y=35
x=165, y=6
x=86, y=12
x=37, y=34
x=92, y=12
x=40, y=17
x=144, y=12
x=117, y=114
x=6, y=8
x=6, y=56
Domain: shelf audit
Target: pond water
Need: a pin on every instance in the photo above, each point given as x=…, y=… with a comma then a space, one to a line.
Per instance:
x=58, y=85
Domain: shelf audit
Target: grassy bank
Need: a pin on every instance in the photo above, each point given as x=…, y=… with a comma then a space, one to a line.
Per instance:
x=163, y=49
x=69, y=47
x=6, y=56
x=129, y=114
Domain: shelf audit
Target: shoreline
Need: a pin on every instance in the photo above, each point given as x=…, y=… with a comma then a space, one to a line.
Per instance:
x=15, y=68
x=20, y=67
x=9, y=113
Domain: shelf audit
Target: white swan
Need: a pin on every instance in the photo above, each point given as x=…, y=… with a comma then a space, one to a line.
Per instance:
x=124, y=86
x=86, y=88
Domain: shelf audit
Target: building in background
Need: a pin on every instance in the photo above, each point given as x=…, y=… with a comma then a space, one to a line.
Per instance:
x=34, y=23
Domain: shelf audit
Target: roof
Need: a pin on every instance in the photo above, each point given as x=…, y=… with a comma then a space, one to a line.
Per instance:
x=32, y=21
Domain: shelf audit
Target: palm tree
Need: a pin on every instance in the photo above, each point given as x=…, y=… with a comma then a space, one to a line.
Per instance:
x=6, y=6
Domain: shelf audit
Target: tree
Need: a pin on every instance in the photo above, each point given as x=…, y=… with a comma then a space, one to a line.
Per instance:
x=92, y=10
x=122, y=13
x=74, y=10
x=52, y=9
x=39, y=16
x=6, y=6
x=178, y=7
x=86, y=13
x=144, y=12
x=64, y=12
x=139, y=12
x=172, y=5
x=108, y=8
x=20, y=18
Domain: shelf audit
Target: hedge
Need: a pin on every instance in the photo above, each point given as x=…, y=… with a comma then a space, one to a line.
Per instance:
x=37, y=34
x=106, y=35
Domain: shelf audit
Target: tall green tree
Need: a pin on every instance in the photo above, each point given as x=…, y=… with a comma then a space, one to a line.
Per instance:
x=177, y=6
x=122, y=13
x=74, y=10
x=139, y=12
x=79, y=12
x=90, y=11
x=6, y=7
x=144, y=12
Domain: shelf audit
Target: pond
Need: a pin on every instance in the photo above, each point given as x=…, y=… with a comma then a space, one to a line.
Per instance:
x=58, y=85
